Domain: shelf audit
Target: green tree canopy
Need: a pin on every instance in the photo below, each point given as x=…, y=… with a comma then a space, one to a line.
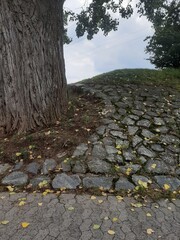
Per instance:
x=164, y=45
x=105, y=14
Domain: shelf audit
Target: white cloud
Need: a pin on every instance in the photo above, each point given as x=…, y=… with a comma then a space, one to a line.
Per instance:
x=121, y=49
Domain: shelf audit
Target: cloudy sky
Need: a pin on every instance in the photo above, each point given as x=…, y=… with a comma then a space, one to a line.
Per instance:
x=121, y=49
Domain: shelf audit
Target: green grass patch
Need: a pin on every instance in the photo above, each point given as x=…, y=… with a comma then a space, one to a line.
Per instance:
x=166, y=77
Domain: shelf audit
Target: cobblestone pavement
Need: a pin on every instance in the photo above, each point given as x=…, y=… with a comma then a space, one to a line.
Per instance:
x=137, y=143
x=83, y=217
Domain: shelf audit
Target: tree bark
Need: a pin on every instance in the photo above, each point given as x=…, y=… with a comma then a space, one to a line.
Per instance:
x=32, y=71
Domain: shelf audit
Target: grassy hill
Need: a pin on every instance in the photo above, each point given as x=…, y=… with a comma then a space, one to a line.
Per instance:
x=167, y=77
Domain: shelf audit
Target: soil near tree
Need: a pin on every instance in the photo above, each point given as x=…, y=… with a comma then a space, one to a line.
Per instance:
x=60, y=139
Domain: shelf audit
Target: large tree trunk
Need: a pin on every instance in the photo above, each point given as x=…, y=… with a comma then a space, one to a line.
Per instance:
x=32, y=72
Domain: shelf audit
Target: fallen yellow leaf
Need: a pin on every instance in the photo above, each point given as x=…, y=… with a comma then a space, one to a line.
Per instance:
x=111, y=232
x=96, y=226
x=4, y=222
x=47, y=133
x=117, y=167
x=118, y=147
x=44, y=193
x=119, y=198
x=18, y=154
x=93, y=197
x=100, y=201
x=166, y=186
x=22, y=199
x=150, y=231
x=115, y=219
x=11, y=189
x=137, y=188
x=43, y=184
x=128, y=171
x=104, y=194
x=153, y=165
x=25, y=224
x=40, y=204
x=70, y=208
x=22, y=203
x=142, y=184
x=138, y=205
x=49, y=191
x=148, y=215
x=12, y=193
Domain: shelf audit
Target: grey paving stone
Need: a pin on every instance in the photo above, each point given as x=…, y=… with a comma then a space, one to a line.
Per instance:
x=163, y=129
x=157, y=147
x=99, y=166
x=80, y=150
x=94, y=138
x=138, y=112
x=143, y=123
x=123, y=143
x=66, y=165
x=142, y=160
x=123, y=184
x=173, y=182
x=158, y=121
x=108, y=141
x=121, y=105
x=146, y=152
x=156, y=166
x=79, y=167
x=118, y=134
x=18, y=166
x=128, y=121
x=97, y=182
x=33, y=167
x=64, y=181
x=152, y=114
x=16, y=179
x=136, y=178
x=48, y=165
x=129, y=155
x=101, y=130
x=111, y=158
x=98, y=151
x=147, y=134
x=136, y=140
x=110, y=149
x=122, y=112
x=119, y=159
x=169, y=139
x=132, y=130
x=113, y=126
x=4, y=168
x=133, y=168
x=169, y=159
x=178, y=171
x=39, y=179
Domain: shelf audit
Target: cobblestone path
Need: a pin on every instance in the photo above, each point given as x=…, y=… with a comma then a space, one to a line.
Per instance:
x=138, y=142
x=136, y=145
x=72, y=217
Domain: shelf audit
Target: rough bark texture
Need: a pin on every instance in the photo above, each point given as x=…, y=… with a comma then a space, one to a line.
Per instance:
x=32, y=73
